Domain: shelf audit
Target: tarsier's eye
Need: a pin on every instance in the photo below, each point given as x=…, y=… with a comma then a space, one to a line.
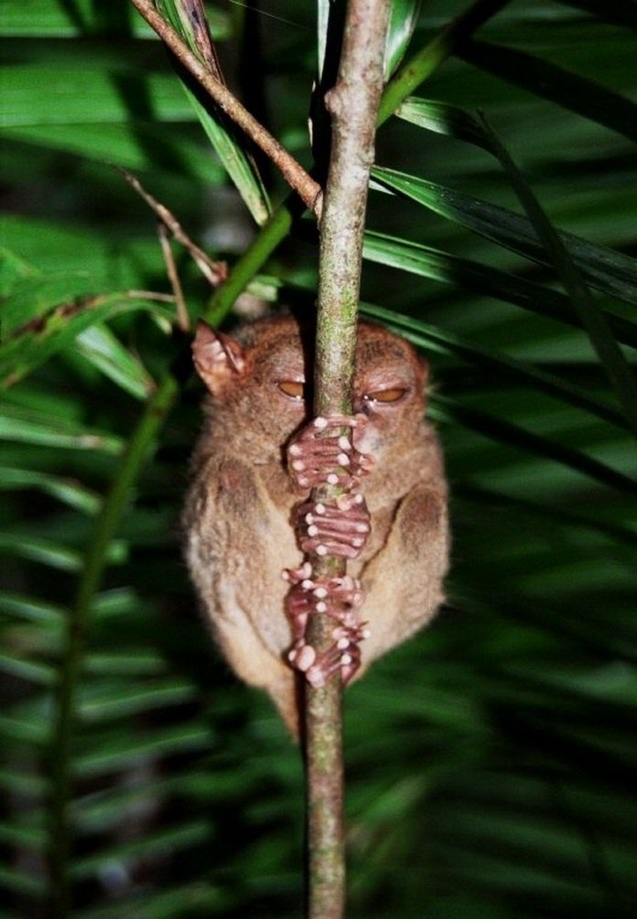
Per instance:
x=386, y=395
x=294, y=389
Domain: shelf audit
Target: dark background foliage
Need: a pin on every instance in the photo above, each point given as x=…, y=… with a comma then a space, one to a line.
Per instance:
x=491, y=760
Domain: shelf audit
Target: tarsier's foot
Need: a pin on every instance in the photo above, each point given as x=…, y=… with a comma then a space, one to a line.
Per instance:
x=337, y=598
x=321, y=454
x=340, y=529
x=343, y=656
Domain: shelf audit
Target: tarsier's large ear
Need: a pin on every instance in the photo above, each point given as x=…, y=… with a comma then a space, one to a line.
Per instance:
x=423, y=366
x=218, y=358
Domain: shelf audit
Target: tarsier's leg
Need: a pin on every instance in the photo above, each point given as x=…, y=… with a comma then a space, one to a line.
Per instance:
x=339, y=529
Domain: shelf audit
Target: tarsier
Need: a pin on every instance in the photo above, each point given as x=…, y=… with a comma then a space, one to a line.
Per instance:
x=249, y=519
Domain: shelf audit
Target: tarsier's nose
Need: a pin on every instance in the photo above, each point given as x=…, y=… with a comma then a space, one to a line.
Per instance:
x=361, y=407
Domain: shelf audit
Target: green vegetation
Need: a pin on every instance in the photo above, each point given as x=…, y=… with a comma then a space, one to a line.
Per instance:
x=491, y=760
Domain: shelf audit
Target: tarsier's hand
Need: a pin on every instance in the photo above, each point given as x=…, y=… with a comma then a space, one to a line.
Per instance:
x=320, y=454
x=337, y=598
x=340, y=529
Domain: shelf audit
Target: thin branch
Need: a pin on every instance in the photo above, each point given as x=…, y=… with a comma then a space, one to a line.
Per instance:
x=353, y=105
x=255, y=256
x=183, y=319
x=297, y=178
x=213, y=272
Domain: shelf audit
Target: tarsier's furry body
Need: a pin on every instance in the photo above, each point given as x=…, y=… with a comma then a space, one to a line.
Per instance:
x=239, y=518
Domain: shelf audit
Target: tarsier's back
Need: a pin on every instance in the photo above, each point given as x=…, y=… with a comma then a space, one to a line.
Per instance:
x=255, y=464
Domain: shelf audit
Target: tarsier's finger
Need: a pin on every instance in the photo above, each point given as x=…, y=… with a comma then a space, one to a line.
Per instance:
x=338, y=531
x=311, y=478
x=332, y=547
x=326, y=422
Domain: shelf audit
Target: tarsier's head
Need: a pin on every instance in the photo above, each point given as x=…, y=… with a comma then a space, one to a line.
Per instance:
x=264, y=375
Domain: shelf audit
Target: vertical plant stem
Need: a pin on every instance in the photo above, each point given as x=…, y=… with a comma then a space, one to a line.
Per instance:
x=271, y=234
x=353, y=105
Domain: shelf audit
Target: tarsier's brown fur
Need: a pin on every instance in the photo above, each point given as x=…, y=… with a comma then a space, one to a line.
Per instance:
x=238, y=518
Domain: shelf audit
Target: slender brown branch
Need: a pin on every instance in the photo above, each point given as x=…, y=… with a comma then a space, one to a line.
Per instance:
x=353, y=105
x=297, y=178
x=213, y=272
x=183, y=319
